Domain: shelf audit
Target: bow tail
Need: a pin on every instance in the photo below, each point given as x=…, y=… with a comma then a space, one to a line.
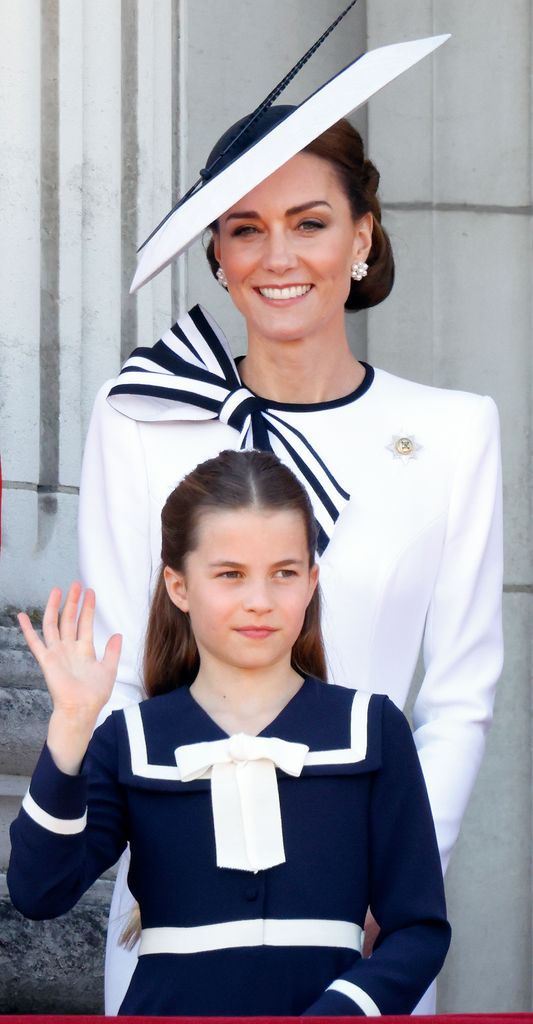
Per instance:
x=259, y=433
x=247, y=816
x=327, y=496
x=228, y=819
x=259, y=798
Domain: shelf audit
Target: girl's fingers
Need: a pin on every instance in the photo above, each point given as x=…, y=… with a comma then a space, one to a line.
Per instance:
x=51, y=617
x=112, y=651
x=69, y=617
x=33, y=641
x=85, y=621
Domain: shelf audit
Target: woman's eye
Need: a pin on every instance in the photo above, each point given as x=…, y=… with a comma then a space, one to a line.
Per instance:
x=244, y=229
x=284, y=574
x=311, y=225
x=230, y=574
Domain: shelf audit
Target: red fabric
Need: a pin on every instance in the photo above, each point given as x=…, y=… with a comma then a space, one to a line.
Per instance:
x=443, y=1018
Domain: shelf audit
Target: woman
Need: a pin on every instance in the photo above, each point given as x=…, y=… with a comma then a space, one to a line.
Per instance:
x=404, y=478
x=244, y=760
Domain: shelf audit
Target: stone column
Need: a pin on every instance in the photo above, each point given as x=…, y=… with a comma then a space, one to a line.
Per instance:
x=452, y=139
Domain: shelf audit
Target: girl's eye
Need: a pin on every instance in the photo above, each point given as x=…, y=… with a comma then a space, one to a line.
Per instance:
x=284, y=574
x=230, y=574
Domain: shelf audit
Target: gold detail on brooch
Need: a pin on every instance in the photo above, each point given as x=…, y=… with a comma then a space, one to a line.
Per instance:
x=404, y=447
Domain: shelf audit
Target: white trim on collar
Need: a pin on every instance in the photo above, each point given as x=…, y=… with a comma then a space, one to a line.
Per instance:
x=356, y=752
x=358, y=737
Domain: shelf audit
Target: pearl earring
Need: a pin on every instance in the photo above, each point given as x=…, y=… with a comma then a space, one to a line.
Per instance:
x=359, y=270
x=221, y=278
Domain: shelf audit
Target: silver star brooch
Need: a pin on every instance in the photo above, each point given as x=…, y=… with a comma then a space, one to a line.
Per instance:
x=404, y=447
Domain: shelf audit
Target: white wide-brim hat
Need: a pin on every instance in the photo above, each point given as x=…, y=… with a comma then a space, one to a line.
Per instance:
x=267, y=140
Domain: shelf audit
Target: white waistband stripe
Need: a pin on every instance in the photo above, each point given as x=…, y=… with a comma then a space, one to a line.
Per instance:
x=357, y=995
x=61, y=826
x=255, y=932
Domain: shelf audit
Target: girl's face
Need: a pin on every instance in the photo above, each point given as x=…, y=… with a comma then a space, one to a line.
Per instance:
x=246, y=587
x=287, y=247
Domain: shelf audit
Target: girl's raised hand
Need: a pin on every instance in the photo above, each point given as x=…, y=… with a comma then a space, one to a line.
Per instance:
x=78, y=683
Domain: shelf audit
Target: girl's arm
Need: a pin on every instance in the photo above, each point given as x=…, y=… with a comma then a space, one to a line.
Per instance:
x=71, y=826
x=114, y=540
x=69, y=830
x=406, y=890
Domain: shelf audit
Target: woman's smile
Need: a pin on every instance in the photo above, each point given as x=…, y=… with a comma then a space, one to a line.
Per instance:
x=284, y=293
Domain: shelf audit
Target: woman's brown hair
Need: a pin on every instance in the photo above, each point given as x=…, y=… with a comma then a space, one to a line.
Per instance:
x=231, y=481
x=342, y=146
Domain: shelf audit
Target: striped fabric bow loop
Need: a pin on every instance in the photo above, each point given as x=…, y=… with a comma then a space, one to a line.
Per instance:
x=190, y=374
x=244, y=794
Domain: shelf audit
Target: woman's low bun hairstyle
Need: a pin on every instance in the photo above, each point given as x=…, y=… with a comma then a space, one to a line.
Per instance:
x=342, y=146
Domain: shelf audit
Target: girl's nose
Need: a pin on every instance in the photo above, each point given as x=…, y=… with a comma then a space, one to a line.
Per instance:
x=257, y=597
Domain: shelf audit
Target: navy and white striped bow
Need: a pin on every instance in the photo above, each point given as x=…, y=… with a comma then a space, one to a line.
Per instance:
x=190, y=374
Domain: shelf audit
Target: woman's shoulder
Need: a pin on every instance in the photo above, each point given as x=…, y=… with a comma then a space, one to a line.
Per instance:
x=447, y=415
x=390, y=387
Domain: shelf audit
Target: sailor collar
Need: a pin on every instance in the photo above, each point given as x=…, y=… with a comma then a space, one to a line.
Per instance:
x=339, y=728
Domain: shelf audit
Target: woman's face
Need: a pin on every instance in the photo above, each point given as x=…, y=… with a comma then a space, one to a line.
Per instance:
x=286, y=249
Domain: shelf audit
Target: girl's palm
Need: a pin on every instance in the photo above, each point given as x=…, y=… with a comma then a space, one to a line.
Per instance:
x=76, y=680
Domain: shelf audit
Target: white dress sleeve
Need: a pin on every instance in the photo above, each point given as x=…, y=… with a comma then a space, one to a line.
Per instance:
x=114, y=540
x=463, y=646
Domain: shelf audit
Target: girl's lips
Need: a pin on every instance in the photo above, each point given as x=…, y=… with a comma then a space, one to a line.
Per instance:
x=256, y=632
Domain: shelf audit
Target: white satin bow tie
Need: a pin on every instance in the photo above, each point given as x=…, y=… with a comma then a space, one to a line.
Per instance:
x=244, y=794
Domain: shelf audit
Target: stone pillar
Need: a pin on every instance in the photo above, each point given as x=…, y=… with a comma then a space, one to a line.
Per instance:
x=452, y=140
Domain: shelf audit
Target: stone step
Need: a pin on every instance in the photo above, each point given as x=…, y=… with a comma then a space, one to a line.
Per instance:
x=24, y=715
x=17, y=666
x=61, y=962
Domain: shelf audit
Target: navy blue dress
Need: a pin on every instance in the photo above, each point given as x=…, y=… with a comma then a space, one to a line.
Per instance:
x=357, y=833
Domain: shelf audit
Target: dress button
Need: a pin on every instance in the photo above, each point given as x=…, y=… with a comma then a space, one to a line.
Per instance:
x=251, y=893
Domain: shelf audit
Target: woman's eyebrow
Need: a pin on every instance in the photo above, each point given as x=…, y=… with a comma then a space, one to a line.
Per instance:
x=253, y=215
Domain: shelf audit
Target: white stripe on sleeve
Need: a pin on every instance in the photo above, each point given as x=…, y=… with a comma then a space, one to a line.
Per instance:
x=61, y=826
x=357, y=995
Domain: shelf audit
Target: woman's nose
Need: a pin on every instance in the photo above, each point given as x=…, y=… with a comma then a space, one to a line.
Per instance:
x=279, y=254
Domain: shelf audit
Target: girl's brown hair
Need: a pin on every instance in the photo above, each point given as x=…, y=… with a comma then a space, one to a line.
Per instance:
x=233, y=480
x=342, y=146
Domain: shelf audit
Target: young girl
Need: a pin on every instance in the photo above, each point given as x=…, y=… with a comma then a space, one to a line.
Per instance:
x=266, y=811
